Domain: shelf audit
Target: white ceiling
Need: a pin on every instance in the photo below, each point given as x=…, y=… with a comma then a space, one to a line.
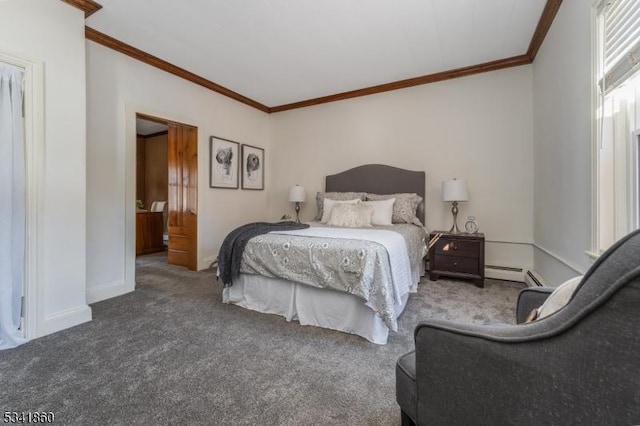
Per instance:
x=146, y=127
x=282, y=51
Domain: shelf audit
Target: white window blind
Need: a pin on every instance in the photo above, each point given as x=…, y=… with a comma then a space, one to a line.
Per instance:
x=621, y=25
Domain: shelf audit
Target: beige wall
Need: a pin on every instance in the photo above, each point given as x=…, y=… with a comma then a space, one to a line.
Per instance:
x=477, y=128
x=117, y=88
x=52, y=32
x=562, y=154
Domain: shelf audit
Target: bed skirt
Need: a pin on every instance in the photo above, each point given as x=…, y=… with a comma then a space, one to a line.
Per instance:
x=310, y=305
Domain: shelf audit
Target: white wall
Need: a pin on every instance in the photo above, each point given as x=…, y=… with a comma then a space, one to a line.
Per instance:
x=562, y=147
x=117, y=88
x=53, y=32
x=477, y=128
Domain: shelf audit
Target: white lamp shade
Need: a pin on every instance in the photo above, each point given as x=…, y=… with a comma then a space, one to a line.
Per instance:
x=297, y=194
x=455, y=190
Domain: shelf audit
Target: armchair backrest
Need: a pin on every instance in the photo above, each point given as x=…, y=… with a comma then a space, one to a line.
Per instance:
x=617, y=269
x=580, y=365
x=590, y=349
x=599, y=356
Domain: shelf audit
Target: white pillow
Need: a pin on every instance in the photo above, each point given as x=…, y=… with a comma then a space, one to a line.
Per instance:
x=559, y=298
x=329, y=204
x=382, y=211
x=351, y=215
x=341, y=196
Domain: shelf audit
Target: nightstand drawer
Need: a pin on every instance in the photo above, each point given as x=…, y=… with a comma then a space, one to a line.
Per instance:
x=457, y=256
x=465, y=265
x=451, y=247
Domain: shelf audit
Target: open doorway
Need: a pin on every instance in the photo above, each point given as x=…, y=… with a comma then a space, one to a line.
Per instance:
x=152, y=189
x=166, y=192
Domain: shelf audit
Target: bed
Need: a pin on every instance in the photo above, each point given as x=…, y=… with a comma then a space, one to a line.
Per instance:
x=352, y=280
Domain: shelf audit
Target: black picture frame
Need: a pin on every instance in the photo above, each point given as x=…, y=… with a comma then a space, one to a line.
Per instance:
x=252, y=167
x=224, y=163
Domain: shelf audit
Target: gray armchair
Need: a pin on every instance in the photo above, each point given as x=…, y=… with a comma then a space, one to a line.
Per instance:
x=580, y=365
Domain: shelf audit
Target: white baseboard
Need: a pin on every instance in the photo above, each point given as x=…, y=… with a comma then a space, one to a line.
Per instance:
x=65, y=319
x=107, y=291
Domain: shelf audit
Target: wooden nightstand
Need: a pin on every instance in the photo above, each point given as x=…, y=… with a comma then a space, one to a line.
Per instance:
x=457, y=256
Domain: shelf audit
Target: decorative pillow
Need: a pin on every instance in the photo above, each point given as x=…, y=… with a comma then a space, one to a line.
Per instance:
x=404, y=209
x=382, y=211
x=556, y=300
x=341, y=196
x=351, y=215
x=329, y=205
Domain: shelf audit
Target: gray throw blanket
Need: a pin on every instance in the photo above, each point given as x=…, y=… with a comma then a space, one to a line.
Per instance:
x=233, y=246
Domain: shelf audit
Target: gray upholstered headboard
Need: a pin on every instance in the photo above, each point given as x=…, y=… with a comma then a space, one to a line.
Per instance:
x=379, y=179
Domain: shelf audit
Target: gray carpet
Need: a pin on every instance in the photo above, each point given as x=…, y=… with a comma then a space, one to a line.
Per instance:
x=171, y=352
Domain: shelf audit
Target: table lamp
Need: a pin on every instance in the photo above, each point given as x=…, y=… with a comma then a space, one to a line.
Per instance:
x=455, y=191
x=297, y=195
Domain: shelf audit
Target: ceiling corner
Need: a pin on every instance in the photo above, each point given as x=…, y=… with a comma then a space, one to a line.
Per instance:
x=546, y=19
x=89, y=7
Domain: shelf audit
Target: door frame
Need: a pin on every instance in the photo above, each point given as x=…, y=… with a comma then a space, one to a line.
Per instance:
x=33, y=287
x=131, y=112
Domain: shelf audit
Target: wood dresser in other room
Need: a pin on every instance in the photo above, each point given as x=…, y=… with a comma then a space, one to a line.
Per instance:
x=149, y=228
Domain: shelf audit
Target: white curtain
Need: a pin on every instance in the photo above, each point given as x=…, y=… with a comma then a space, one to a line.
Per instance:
x=618, y=168
x=12, y=204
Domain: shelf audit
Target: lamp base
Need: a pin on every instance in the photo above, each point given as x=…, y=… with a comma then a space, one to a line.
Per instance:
x=297, y=212
x=454, y=210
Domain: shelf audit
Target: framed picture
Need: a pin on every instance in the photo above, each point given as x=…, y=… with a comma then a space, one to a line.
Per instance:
x=252, y=167
x=224, y=159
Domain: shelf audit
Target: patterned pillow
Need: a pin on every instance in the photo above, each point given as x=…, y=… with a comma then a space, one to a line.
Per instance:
x=341, y=196
x=329, y=204
x=404, y=209
x=351, y=215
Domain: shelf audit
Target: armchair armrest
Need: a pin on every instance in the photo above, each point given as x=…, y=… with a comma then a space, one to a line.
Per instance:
x=530, y=298
x=473, y=374
x=484, y=374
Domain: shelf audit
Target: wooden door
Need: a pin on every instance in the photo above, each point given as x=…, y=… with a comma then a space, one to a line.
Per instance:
x=183, y=195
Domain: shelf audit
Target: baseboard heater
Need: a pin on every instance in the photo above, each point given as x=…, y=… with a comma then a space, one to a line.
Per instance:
x=499, y=268
x=503, y=268
x=533, y=279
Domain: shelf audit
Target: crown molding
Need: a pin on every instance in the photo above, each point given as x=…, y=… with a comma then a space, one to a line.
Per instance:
x=154, y=61
x=546, y=19
x=89, y=7
x=417, y=81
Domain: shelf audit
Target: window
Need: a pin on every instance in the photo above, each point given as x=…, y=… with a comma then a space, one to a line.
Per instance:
x=617, y=175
